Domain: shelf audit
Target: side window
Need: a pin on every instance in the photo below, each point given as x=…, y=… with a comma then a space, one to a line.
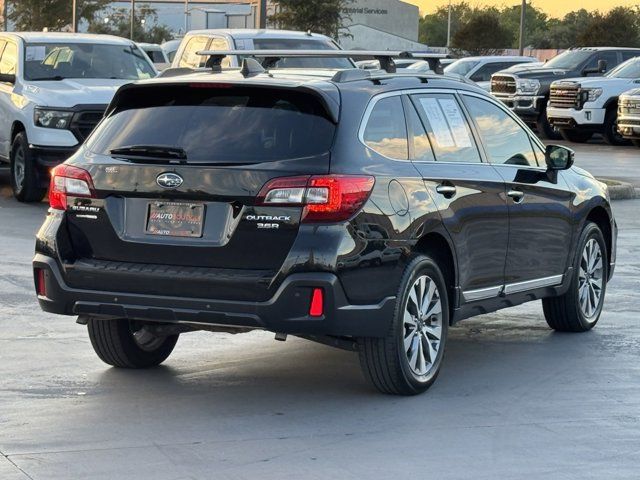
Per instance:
x=627, y=54
x=386, y=130
x=505, y=140
x=484, y=73
x=189, y=58
x=9, y=59
x=447, y=128
x=609, y=56
x=221, y=44
x=418, y=138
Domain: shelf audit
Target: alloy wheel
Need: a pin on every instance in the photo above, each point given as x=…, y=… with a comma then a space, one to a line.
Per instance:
x=422, y=325
x=590, y=278
x=19, y=167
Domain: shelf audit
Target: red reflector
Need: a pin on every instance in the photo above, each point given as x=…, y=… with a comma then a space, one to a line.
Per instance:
x=317, y=303
x=41, y=285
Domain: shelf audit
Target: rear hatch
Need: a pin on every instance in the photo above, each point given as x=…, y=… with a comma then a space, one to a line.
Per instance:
x=177, y=173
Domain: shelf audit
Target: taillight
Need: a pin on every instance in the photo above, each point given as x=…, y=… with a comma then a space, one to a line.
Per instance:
x=68, y=180
x=327, y=198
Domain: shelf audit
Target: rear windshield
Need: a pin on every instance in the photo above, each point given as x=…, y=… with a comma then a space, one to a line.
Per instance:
x=219, y=125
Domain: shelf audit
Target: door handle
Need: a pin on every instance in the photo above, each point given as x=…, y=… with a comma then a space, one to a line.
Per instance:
x=446, y=190
x=517, y=195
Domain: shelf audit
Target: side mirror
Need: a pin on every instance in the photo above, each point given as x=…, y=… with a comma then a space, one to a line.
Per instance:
x=7, y=78
x=600, y=69
x=559, y=157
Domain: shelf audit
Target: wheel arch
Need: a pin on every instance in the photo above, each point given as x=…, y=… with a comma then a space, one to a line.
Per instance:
x=611, y=103
x=601, y=217
x=438, y=247
x=16, y=128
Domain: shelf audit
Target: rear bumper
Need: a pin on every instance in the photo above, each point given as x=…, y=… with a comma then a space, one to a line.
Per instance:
x=287, y=311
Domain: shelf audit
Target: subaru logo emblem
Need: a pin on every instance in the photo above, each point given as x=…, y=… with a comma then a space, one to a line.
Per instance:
x=169, y=180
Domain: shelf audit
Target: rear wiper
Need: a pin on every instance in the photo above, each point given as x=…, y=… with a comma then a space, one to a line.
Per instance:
x=150, y=152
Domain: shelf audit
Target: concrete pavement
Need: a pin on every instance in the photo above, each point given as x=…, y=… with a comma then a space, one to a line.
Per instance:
x=514, y=400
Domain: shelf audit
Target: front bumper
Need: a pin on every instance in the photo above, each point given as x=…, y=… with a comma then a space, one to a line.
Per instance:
x=526, y=106
x=592, y=118
x=48, y=157
x=287, y=311
x=629, y=126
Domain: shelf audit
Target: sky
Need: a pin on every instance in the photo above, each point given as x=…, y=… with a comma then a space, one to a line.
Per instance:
x=555, y=8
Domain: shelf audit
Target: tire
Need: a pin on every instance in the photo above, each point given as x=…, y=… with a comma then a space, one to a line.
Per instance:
x=575, y=136
x=545, y=129
x=25, y=181
x=610, y=133
x=636, y=142
x=115, y=343
x=392, y=363
x=568, y=312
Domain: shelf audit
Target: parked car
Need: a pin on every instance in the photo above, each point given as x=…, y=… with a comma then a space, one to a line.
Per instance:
x=170, y=48
x=362, y=210
x=580, y=107
x=156, y=54
x=54, y=88
x=526, y=90
x=480, y=69
x=249, y=39
x=629, y=116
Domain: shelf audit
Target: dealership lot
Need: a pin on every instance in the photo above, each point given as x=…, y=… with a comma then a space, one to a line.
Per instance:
x=515, y=400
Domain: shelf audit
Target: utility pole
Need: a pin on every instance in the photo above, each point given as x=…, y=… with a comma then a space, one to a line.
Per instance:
x=74, y=18
x=186, y=16
x=133, y=17
x=522, y=15
x=449, y=27
x=262, y=14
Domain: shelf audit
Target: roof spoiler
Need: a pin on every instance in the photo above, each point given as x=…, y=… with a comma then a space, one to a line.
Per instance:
x=271, y=57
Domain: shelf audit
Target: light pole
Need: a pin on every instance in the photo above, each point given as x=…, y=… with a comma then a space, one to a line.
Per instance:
x=522, y=15
x=74, y=19
x=449, y=27
x=186, y=16
x=133, y=17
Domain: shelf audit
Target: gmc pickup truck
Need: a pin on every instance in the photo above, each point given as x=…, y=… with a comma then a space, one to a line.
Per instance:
x=526, y=90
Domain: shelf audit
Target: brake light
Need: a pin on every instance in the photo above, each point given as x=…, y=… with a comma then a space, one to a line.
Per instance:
x=327, y=198
x=68, y=180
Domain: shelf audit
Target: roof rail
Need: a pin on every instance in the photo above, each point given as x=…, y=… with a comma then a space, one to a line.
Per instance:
x=271, y=57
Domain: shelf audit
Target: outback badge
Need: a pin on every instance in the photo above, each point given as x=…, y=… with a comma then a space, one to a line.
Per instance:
x=169, y=180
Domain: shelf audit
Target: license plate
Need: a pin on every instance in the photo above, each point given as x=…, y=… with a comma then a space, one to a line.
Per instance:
x=175, y=219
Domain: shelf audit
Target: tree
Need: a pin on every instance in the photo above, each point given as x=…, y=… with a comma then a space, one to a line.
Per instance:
x=35, y=15
x=618, y=28
x=117, y=21
x=483, y=34
x=319, y=16
x=433, y=27
x=535, y=26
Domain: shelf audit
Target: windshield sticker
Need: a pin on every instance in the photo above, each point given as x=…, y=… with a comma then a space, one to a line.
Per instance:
x=438, y=122
x=456, y=122
x=36, y=53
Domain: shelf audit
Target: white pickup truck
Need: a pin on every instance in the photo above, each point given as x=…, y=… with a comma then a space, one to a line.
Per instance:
x=629, y=116
x=580, y=107
x=54, y=88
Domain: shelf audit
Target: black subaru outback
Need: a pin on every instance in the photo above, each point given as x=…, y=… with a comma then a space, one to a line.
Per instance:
x=365, y=210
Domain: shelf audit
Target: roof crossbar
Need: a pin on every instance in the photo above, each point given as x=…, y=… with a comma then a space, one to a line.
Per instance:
x=271, y=57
